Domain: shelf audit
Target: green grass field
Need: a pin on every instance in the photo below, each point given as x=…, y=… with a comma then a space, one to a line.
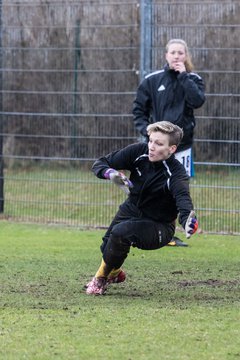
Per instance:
x=177, y=303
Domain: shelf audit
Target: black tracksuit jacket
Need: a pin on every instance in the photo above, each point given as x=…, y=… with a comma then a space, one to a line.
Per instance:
x=160, y=189
x=170, y=96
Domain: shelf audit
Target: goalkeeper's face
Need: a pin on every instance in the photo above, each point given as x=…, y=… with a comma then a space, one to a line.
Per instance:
x=159, y=148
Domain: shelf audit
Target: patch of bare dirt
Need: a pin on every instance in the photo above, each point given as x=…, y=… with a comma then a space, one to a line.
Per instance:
x=209, y=282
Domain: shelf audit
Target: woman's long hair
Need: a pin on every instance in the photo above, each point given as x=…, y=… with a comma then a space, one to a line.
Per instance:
x=188, y=62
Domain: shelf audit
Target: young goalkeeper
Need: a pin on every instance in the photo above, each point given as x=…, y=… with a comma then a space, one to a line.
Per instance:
x=158, y=189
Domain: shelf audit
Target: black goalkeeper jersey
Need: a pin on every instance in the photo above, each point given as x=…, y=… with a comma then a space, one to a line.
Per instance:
x=160, y=189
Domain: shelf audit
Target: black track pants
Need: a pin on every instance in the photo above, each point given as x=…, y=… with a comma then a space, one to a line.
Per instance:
x=129, y=228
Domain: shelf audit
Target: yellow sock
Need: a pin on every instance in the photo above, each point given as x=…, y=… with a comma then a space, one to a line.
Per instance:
x=103, y=270
x=114, y=272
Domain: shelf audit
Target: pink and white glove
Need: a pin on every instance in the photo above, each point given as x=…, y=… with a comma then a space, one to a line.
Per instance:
x=191, y=225
x=118, y=179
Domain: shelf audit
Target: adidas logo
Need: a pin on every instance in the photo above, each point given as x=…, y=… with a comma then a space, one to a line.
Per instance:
x=161, y=88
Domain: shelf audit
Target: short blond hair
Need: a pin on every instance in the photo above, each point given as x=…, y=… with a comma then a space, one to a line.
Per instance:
x=166, y=127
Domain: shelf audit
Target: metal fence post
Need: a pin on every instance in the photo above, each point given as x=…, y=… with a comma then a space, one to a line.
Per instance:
x=77, y=59
x=145, y=37
x=1, y=121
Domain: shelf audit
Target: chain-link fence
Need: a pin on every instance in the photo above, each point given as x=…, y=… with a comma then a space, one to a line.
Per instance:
x=69, y=73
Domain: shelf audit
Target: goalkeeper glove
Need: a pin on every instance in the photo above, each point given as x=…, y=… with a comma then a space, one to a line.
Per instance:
x=118, y=179
x=191, y=225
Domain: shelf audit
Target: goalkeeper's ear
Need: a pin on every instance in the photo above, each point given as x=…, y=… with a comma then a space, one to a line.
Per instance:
x=172, y=149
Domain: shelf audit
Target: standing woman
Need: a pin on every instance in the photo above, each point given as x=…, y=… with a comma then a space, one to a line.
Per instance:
x=171, y=94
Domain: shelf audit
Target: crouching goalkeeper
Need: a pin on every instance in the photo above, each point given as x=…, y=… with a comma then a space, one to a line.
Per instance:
x=158, y=193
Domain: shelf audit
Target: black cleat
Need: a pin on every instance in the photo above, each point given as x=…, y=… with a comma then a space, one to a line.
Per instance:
x=177, y=242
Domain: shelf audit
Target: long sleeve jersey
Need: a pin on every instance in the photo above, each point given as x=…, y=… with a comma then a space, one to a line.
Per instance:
x=170, y=96
x=160, y=189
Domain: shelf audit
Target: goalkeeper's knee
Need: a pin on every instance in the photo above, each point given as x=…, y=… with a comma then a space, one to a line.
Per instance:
x=116, y=251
